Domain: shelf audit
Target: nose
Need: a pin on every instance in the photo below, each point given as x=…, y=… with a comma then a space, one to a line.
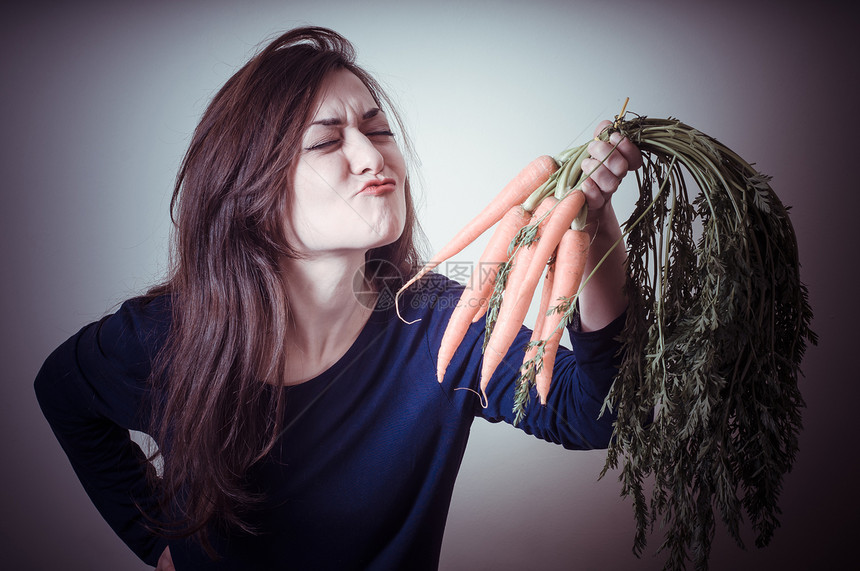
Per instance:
x=362, y=154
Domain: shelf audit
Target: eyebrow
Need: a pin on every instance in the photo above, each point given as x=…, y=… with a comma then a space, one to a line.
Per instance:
x=334, y=121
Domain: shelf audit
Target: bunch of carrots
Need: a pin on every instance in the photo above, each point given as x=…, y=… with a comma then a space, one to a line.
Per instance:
x=527, y=243
x=706, y=398
x=540, y=216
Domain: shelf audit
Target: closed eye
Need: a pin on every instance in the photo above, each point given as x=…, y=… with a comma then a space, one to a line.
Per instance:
x=381, y=133
x=322, y=145
x=332, y=142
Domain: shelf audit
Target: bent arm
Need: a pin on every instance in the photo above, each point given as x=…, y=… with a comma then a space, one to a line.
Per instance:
x=91, y=413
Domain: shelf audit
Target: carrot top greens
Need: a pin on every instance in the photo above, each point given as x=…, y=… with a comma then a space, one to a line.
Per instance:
x=707, y=394
x=715, y=334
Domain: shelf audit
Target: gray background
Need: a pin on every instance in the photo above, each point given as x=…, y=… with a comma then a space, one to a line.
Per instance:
x=98, y=103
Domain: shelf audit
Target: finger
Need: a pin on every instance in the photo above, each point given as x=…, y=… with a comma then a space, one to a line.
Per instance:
x=594, y=195
x=600, y=127
x=628, y=150
x=609, y=156
x=601, y=176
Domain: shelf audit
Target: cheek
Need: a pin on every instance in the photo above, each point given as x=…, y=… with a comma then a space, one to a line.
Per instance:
x=320, y=173
x=316, y=191
x=396, y=162
x=307, y=205
x=400, y=217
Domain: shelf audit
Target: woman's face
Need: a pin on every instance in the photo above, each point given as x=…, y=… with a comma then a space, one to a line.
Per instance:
x=348, y=189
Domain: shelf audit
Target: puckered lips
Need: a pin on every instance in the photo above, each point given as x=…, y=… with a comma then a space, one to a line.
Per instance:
x=378, y=187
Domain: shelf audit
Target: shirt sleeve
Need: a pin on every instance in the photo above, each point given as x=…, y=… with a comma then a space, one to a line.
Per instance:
x=92, y=389
x=582, y=377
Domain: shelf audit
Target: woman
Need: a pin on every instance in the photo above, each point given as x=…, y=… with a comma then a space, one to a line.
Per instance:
x=301, y=425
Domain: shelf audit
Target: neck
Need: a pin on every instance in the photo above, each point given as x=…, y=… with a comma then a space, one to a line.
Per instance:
x=326, y=314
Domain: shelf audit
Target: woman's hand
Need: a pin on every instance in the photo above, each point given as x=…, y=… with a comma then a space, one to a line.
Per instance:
x=602, y=298
x=165, y=562
x=604, y=181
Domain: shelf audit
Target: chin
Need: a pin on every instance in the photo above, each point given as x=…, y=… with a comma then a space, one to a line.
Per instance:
x=385, y=240
x=388, y=234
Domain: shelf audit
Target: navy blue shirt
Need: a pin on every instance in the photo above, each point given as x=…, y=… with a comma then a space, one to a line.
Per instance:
x=363, y=475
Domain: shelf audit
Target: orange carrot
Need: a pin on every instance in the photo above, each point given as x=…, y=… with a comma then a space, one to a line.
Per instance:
x=521, y=287
x=512, y=310
x=543, y=307
x=480, y=285
x=558, y=222
x=569, y=267
x=515, y=192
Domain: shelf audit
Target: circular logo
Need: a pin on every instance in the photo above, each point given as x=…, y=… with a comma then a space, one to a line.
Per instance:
x=376, y=284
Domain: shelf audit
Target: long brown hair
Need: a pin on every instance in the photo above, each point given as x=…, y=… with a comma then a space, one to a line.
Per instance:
x=226, y=283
